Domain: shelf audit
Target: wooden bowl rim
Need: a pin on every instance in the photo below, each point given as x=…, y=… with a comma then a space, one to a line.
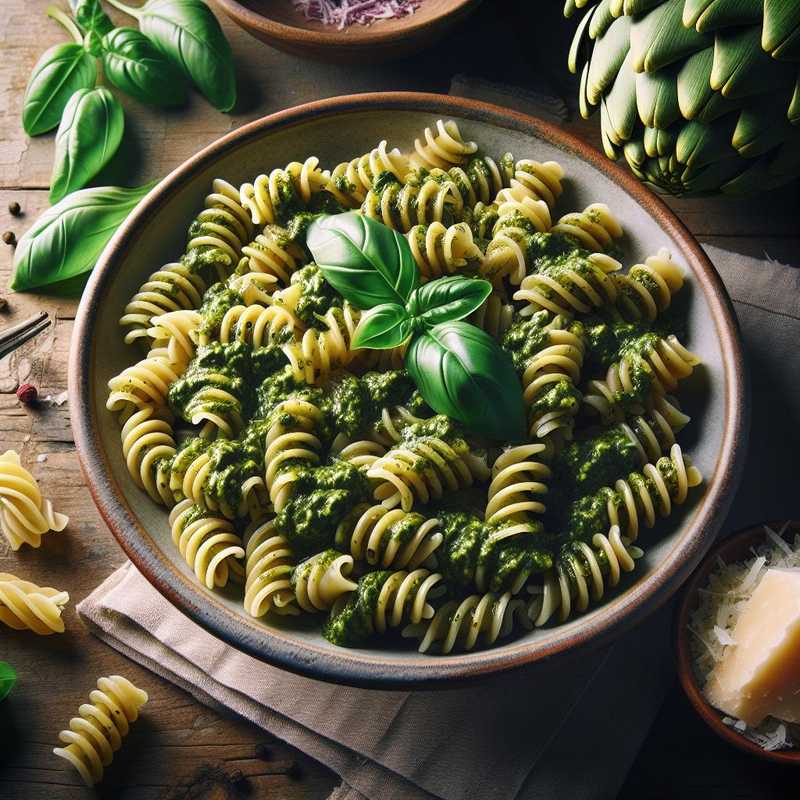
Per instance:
x=376, y=668
x=710, y=715
x=356, y=36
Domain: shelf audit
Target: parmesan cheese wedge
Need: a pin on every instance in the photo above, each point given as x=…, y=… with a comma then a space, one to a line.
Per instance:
x=759, y=675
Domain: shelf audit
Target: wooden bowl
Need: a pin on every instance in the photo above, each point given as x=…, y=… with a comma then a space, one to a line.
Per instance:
x=731, y=549
x=277, y=23
x=341, y=128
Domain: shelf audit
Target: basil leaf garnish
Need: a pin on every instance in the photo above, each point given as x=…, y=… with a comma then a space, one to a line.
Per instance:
x=365, y=261
x=88, y=136
x=447, y=299
x=58, y=74
x=134, y=65
x=382, y=327
x=8, y=677
x=90, y=16
x=461, y=371
x=188, y=34
x=66, y=240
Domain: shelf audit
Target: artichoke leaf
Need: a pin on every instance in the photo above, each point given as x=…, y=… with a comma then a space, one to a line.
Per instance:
x=583, y=103
x=707, y=16
x=610, y=147
x=634, y=7
x=620, y=106
x=699, y=144
x=580, y=47
x=696, y=98
x=607, y=58
x=761, y=127
x=658, y=142
x=659, y=38
x=793, y=112
x=780, y=33
x=657, y=97
x=601, y=19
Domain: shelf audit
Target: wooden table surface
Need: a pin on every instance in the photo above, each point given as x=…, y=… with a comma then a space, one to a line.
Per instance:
x=181, y=749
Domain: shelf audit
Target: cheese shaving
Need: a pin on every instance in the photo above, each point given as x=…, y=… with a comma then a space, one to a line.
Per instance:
x=342, y=13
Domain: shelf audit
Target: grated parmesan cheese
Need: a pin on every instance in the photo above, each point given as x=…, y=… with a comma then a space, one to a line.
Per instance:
x=342, y=13
x=720, y=605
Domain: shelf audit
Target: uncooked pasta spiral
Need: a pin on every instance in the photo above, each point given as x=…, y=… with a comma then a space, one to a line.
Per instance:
x=272, y=198
x=595, y=228
x=292, y=441
x=444, y=147
x=642, y=378
x=477, y=620
x=647, y=289
x=208, y=543
x=421, y=470
x=320, y=352
x=257, y=325
x=25, y=516
x=514, y=496
x=144, y=384
x=95, y=735
x=268, y=572
x=216, y=238
x=273, y=253
x=582, y=574
x=576, y=285
x=322, y=579
x=148, y=442
x=176, y=331
x=351, y=180
x=401, y=206
x=26, y=606
x=388, y=538
x=443, y=251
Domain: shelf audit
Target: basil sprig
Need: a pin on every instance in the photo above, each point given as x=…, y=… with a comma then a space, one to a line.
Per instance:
x=459, y=370
x=8, y=677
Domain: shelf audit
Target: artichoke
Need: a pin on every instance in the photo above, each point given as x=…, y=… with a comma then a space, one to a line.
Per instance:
x=700, y=96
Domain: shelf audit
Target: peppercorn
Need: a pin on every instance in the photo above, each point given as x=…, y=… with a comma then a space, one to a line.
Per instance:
x=9, y=238
x=14, y=208
x=27, y=394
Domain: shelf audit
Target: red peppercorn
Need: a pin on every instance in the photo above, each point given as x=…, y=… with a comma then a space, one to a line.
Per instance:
x=27, y=394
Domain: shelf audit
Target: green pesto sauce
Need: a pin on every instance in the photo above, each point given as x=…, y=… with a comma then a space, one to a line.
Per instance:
x=438, y=427
x=217, y=301
x=352, y=624
x=525, y=338
x=317, y=296
x=560, y=395
x=384, y=179
x=347, y=404
x=205, y=258
x=387, y=389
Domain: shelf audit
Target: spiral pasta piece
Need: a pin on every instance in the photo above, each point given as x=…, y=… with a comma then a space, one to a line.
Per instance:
x=539, y=181
x=292, y=441
x=421, y=470
x=443, y=251
x=96, y=734
x=579, y=285
x=351, y=180
x=582, y=575
x=253, y=287
x=652, y=434
x=271, y=199
x=25, y=516
x=176, y=331
x=443, y=148
x=647, y=289
x=402, y=206
x=268, y=572
x=595, y=228
x=495, y=315
x=26, y=606
x=148, y=442
x=515, y=493
x=257, y=325
x=388, y=430
x=404, y=598
x=208, y=544
x=322, y=579
x=361, y=453
x=481, y=179
x=143, y=384
x=478, y=620
x=389, y=538
x=273, y=253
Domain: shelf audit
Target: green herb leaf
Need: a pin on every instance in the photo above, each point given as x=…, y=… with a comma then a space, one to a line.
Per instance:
x=134, y=64
x=382, y=327
x=66, y=240
x=366, y=262
x=461, y=371
x=88, y=136
x=447, y=299
x=8, y=677
x=187, y=32
x=90, y=16
x=58, y=74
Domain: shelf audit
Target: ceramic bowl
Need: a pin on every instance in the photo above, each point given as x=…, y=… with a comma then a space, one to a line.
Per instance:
x=731, y=549
x=279, y=24
x=334, y=130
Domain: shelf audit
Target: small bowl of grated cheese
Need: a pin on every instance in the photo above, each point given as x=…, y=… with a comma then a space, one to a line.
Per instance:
x=738, y=640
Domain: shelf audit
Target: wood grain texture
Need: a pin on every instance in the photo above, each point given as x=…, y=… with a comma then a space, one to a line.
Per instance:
x=180, y=749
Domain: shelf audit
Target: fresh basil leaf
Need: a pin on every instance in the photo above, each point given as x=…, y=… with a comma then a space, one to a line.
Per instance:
x=88, y=136
x=462, y=372
x=134, y=65
x=447, y=299
x=187, y=32
x=382, y=327
x=90, y=16
x=366, y=262
x=66, y=240
x=8, y=677
x=58, y=74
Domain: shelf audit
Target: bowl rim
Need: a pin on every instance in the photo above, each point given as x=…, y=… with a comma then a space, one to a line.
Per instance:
x=375, y=668
x=356, y=36
x=710, y=715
